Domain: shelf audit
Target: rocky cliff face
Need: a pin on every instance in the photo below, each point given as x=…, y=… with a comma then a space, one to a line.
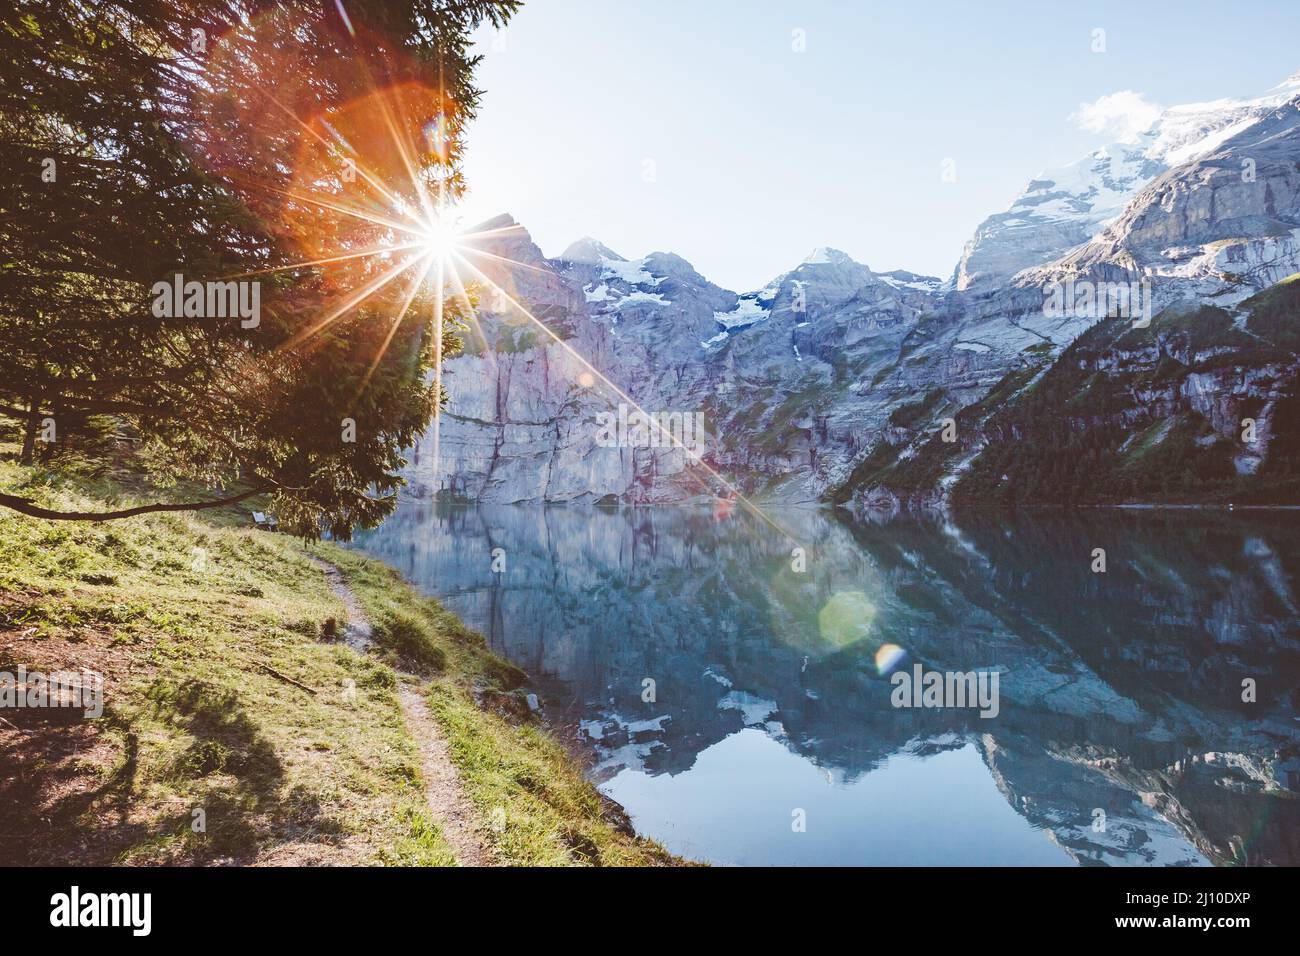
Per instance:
x=834, y=381
x=524, y=420
x=1199, y=407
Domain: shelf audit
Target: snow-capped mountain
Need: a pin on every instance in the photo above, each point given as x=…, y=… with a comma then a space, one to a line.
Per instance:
x=1149, y=403
x=522, y=419
x=1063, y=208
x=830, y=382
x=1223, y=224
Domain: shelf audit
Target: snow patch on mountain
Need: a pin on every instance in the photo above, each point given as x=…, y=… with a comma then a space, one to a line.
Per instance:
x=749, y=309
x=633, y=273
x=614, y=281
x=639, y=296
x=912, y=281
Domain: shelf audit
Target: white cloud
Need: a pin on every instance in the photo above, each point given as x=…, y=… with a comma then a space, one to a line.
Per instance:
x=1119, y=116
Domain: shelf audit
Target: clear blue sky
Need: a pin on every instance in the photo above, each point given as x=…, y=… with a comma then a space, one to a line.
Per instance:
x=761, y=153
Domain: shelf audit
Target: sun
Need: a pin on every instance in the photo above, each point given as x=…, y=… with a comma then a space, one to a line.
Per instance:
x=441, y=240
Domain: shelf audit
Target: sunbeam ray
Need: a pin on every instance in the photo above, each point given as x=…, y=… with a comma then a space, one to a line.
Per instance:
x=352, y=302
x=514, y=262
x=373, y=251
x=373, y=220
x=363, y=171
x=409, y=297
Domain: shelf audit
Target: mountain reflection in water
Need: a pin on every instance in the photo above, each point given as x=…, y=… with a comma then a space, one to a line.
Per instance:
x=1121, y=738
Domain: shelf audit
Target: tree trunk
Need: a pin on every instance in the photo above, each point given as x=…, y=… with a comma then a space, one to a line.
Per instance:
x=29, y=437
x=27, y=507
x=47, y=452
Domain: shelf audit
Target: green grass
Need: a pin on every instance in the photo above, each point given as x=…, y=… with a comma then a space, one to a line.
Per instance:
x=180, y=613
x=538, y=807
x=917, y=413
x=1273, y=313
x=187, y=616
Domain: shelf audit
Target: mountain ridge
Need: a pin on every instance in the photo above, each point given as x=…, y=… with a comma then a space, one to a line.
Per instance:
x=831, y=382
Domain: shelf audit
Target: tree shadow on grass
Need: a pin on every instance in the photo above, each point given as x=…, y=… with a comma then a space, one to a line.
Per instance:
x=56, y=807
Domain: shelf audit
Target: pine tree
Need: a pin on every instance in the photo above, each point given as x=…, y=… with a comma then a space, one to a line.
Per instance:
x=141, y=140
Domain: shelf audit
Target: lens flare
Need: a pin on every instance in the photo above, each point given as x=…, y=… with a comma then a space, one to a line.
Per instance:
x=846, y=618
x=888, y=658
x=437, y=136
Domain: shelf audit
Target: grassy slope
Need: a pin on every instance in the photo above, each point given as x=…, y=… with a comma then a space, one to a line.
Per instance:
x=538, y=808
x=175, y=610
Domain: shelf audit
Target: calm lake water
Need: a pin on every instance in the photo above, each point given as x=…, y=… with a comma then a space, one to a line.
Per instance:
x=770, y=735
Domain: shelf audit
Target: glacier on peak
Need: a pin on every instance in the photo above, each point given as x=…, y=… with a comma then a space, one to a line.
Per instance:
x=1066, y=207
